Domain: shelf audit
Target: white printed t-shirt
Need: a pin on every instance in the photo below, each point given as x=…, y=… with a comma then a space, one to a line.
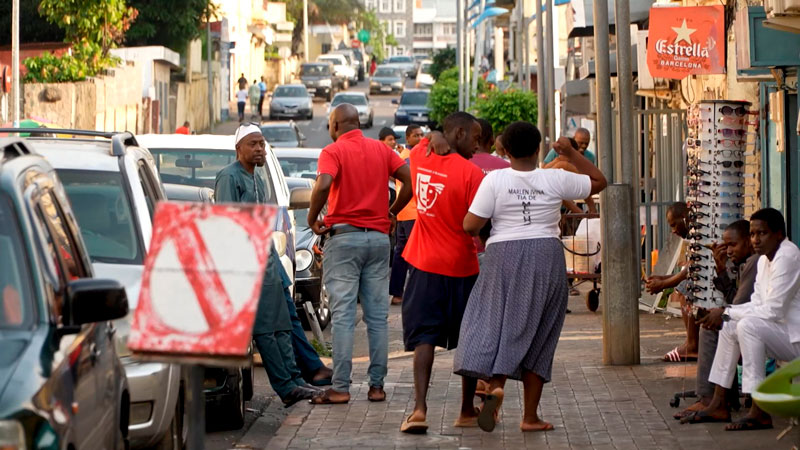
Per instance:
x=241, y=96
x=527, y=205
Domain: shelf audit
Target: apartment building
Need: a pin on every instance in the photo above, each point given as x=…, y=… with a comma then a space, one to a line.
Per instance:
x=397, y=17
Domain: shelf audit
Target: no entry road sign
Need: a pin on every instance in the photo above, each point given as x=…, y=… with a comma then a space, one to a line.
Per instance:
x=202, y=280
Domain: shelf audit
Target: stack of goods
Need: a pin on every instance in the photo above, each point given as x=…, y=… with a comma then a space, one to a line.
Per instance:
x=715, y=190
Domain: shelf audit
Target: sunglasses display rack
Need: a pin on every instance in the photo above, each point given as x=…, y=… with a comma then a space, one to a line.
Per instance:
x=715, y=188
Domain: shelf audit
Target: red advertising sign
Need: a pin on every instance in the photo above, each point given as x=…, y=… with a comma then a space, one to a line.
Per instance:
x=202, y=280
x=686, y=41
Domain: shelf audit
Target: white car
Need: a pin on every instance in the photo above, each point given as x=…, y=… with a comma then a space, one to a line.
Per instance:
x=424, y=78
x=341, y=68
x=360, y=101
x=194, y=160
x=113, y=187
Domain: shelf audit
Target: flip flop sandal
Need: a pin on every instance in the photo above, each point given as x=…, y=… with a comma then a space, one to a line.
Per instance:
x=748, y=424
x=675, y=356
x=414, y=427
x=703, y=417
x=324, y=399
x=487, y=418
x=469, y=422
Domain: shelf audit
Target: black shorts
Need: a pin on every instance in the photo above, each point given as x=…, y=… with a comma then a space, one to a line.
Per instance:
x=433, y=306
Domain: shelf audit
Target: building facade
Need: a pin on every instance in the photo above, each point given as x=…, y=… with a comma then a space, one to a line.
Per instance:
x=397, y=17
x=434, y=25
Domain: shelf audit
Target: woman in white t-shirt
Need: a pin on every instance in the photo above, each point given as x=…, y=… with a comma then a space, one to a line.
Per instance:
x=241, y=102
x=514, y=315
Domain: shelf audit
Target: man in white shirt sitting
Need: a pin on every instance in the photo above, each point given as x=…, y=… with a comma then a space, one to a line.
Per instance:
x=769, y=325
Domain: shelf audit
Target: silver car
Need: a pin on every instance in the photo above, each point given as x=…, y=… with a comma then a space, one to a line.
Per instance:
x=387, y=80
x=406, y=63
x=360, y=101
x=291, y=101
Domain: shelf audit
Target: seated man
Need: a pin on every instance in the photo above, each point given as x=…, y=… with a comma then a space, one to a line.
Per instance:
x=736, y=273
x=768, y=325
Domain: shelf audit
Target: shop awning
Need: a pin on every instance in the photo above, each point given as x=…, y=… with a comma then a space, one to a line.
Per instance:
x=580, y=17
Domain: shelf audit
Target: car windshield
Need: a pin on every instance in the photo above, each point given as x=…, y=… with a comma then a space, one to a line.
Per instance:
x=290, y=91
x=357, y=100
x=347, y=57
x=279, y=134
x=414, y=98
x=336, y=61
x=299, y=167
x=105, y=215
x=199, y=167
x=315, y=70
x=400, y=59
x=16, y=298
x=426, y=68
x=387, y=72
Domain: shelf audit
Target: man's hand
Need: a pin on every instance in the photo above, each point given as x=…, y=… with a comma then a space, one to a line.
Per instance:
x=712, y=320
x=393, y=226
x=564, y=148
x=720, y=256
x=437, y=144
x=318, y=227
x=655, y=284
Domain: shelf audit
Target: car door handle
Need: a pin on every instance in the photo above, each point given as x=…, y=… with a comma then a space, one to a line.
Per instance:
x=94, y=352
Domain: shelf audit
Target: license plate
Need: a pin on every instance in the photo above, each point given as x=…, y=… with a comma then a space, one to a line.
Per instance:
x=419, y=119
x=311, y=91
x=386, y=89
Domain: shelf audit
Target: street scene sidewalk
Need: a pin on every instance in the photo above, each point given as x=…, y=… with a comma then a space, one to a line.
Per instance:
x=592, y=406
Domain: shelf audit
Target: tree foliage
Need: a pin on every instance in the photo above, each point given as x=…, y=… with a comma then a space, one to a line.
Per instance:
x=337, y=12
x=502, y=108
x=443, y=60
x=171, y=23
x=35, y=28
x=443, y=99
x=378, y=37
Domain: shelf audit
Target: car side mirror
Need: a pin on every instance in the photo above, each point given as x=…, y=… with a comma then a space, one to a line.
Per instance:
x=300, y=198
x=91, y=300
x=395, y=101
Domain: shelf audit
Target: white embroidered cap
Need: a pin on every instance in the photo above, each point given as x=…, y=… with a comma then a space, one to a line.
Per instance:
x=246, y=130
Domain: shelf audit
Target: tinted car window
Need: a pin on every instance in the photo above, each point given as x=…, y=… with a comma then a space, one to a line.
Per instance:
x=426, y=68
x=290, y=91
x=56, y=223
x=414, y=98
x=279, y=134
x=387, y=72
x=299, y=167
x=351, y=99
x=105, y=215
x=315, y=70
x=16, y=302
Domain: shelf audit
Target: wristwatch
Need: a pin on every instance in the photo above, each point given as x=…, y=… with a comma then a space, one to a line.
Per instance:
x=725, y=316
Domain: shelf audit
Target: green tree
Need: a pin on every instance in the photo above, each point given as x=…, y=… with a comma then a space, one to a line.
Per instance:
x=378, y=37
x=443, y=99
x=171, y=23
x=442, y=60
x=502, y=108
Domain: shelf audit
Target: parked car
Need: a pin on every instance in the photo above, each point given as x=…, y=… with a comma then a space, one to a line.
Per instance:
x=419, y=58
x=400, y=132
x=113, y=187
x=62, y=385
x=195, y=160
x=387, y=80
x=283, y=134
x=424, y=78
x=291, y=101
x=352, y=61
x=413, y=108
x=319, y=79
x=360, y=101
x=362, y=63
x=406, y=63
x=341, y=69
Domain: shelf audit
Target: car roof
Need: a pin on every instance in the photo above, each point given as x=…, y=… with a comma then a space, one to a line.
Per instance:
x=316, y=63
x=359, y=93
x=88, y=154
x=190, y=141
x=310, y=153
x=300, y=85
x=411, y=91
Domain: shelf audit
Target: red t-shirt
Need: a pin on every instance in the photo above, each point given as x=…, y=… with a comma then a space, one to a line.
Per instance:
x=444, y=187
x=182, y=130
x=360, y=168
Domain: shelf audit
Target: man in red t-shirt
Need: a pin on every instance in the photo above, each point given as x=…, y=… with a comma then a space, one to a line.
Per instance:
x=442, y=258
x=353, y=178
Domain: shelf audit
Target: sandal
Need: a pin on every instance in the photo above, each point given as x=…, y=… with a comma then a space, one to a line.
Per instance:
x=325, y=399
x=414, y=427
x=487, y=419
x=703, y=417
x=674, y=356
x=748, y=424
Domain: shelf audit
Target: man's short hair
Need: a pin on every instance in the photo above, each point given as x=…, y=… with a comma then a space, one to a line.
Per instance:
x=678, y=209
x=410, y=129
x=740, y=227
x=773, y=218
x=458, y=119
x=582, y=131
x=486, y=132
x=186, y=124
x=386, y=132
x=521, y=139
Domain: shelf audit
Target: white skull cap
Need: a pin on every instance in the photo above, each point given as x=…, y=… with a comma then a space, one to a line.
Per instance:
x=246, y=130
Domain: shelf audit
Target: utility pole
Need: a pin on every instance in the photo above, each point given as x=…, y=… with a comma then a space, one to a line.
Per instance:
x=460, y=51
x=211, y=115
x=551, y=78
x=15, y=92
x=305, y=30
x=541, y=84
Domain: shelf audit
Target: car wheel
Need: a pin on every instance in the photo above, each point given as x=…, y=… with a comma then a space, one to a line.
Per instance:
x=369, y=124
x=329, y=97
x=324, y=308
x=234, y=407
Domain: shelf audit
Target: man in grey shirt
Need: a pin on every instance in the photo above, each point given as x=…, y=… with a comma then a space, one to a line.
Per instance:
x=736, y=266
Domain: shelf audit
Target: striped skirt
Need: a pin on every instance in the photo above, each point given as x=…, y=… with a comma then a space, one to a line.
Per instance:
x=515, y=312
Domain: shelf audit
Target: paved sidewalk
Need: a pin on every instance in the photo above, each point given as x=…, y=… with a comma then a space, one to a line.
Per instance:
x=591, y=405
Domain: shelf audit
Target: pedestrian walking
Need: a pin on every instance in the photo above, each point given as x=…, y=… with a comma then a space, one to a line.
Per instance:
x=272, y=331
x=353, y=177
x=442, y=258
x=241, y=101
x=405, y=223
x=512, y=322
x=242, y=82
x=254, y=94
x=262, y=90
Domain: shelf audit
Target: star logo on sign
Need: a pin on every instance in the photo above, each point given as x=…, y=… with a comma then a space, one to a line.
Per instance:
x=683, y=33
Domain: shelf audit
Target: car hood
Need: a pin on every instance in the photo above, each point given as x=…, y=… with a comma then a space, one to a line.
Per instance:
x=22, y=368
x=314, y=77
x=289, y=101
x=10, y=358
x=387, y=79
x=362, y=108
x=284, y=144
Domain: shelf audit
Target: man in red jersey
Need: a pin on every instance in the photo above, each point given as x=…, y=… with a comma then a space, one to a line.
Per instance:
x=442, y=258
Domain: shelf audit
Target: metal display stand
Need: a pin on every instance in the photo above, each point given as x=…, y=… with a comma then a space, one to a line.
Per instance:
x=715, y=188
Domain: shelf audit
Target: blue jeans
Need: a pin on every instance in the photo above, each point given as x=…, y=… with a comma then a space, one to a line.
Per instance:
x=357, y=266
x=397, y=282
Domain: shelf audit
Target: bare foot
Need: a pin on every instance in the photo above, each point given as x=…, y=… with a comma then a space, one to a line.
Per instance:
x=538, y=425
x=397, y=300
x=417, y=416
x=467, y=420
x=323, y=374
x=481, y=389
x=689, y=411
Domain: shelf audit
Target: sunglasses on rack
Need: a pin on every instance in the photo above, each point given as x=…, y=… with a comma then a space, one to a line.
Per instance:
x=728, y=164
x=730, y=111
x=694, y=215
x=698, y=172
x=697, y=247
x=697, y=268
x=729, y=205
x=698, y=236
x=697, y=277
x=728, y=184
x=696, y=204
x=698, y=289
x=729, y=215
